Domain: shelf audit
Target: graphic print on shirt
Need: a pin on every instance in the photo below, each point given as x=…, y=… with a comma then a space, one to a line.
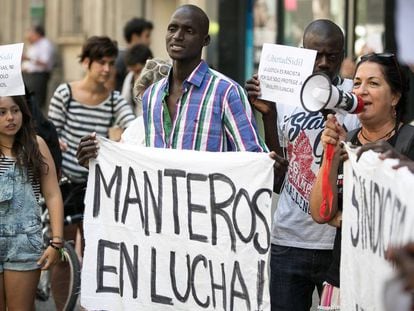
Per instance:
x=304, y=154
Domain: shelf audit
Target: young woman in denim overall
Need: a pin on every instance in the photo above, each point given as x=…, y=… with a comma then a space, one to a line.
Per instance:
x=26, y=170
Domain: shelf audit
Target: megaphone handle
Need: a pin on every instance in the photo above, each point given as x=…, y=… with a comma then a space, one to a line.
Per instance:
x=327, y=195
x=325, y=113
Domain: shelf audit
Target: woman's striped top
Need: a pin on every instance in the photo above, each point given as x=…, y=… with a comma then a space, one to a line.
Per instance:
x=73, y=120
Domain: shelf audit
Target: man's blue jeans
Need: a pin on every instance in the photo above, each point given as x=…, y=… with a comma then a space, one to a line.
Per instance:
x=294, y=273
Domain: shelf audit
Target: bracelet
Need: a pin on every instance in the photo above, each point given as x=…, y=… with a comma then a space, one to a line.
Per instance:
x=55, y=247
x=58, y=243
x=60, y=250
x=57, y=237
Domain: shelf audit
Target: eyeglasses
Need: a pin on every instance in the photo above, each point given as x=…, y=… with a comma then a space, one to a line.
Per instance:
x=163, y=69
x=385, y=56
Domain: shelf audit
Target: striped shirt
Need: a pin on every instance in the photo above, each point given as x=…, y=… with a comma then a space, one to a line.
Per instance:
x=213, y=114
x=7, y=162
x=73, y=120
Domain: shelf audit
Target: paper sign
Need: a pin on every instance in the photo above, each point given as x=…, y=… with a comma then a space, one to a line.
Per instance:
x=177, y=230
x=378, y=212
x=282, y=71
x=11, y=81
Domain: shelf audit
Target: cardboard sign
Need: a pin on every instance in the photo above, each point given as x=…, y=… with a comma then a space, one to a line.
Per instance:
x=177, y=230
x=282, y=71
x=11, y=81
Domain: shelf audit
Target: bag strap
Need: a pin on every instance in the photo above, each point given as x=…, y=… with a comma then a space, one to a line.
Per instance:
x=405, y=138
x=112, y=109
x=67, y=102
x=69, y=99
x=350, y=136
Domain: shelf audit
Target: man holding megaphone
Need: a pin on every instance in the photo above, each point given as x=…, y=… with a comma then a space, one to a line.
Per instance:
x=301, y=249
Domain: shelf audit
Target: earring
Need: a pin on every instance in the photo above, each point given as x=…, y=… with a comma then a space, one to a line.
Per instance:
x=394, y=111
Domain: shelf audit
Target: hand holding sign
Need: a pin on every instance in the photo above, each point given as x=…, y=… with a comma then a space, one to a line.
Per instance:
x=11, y=81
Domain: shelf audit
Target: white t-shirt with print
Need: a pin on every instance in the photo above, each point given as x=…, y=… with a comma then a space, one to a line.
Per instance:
x=300, y=133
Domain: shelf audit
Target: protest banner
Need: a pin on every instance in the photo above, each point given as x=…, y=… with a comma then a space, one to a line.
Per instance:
x=378, y=212
x=176, y=230
x=11, y=81
x=282, y=71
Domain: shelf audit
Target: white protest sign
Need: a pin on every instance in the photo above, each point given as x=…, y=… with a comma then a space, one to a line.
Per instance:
x=11, y=81
x=282, y=71
x=378, y=211
x=176, y=230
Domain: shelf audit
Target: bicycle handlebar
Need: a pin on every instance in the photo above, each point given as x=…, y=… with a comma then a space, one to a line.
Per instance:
x=73, y=219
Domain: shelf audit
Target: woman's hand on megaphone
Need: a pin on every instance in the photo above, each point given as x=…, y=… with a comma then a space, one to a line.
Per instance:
x=333, y=133
x=266, y=108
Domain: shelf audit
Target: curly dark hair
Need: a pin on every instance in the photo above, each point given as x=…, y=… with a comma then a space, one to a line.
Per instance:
x=25, y=145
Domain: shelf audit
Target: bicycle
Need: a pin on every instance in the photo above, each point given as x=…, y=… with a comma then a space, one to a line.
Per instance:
x=71, y=266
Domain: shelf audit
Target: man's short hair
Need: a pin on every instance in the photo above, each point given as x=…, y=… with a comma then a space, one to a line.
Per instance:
x=39, y=29
x=136, y=26
x=137, y=54
x=97, y=47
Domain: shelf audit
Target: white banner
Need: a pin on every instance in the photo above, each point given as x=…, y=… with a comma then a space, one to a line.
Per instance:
x=11, y=81
x=176, y=230
x=378, y=212
x=282, y=71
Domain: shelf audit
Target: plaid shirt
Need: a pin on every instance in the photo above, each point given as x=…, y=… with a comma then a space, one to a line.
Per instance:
x=213, y=114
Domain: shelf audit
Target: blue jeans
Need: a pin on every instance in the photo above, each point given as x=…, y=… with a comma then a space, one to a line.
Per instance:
x=294, y=273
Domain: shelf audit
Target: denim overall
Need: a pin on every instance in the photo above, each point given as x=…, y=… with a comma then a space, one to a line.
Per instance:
x=20, y=223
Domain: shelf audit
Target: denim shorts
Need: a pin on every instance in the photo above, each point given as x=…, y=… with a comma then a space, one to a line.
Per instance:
x=21, y=242
x=20, y=252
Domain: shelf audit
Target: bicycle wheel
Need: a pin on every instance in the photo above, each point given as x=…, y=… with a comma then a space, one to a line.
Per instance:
x=66, y=288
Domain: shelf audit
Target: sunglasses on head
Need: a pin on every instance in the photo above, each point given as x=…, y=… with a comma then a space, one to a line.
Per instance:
x=386, y=56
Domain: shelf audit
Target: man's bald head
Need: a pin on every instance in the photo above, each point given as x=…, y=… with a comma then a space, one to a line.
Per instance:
x=324, y=29
x=327, y=39
x=200, y=15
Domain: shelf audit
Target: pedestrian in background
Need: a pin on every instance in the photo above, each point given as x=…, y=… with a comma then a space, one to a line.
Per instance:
x=38, y=61
x=135, y=59
x=136, y=31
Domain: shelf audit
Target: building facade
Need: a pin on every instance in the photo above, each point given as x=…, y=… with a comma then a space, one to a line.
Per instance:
x=238, y=27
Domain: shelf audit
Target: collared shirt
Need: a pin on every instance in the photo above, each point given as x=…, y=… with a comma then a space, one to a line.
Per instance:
x=212, y=114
